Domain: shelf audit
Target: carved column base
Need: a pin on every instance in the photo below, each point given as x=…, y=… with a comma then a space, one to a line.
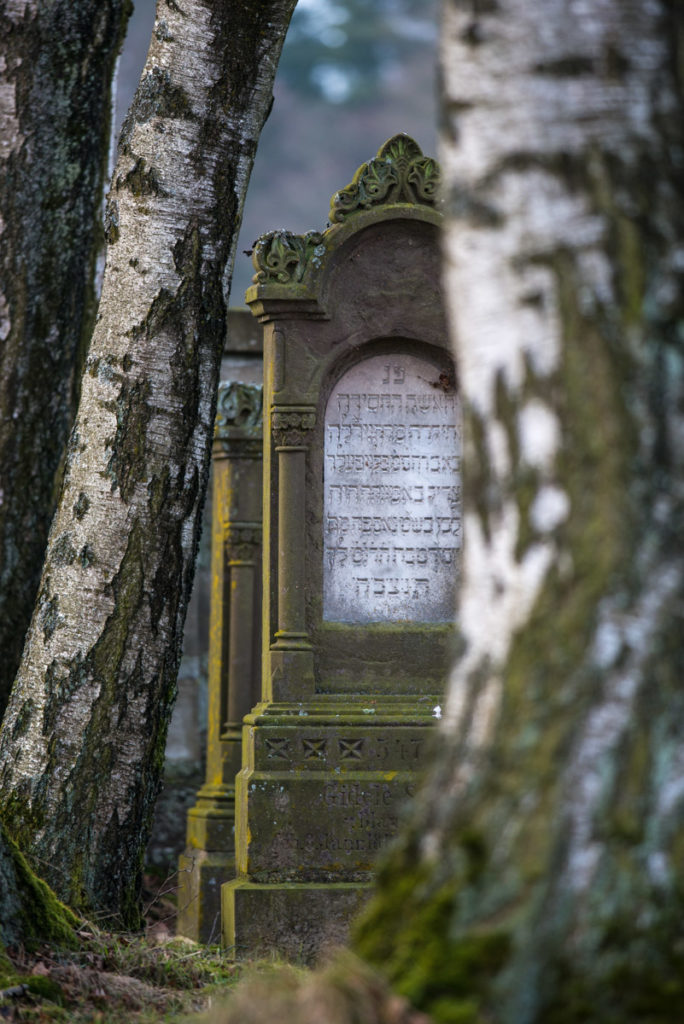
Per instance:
x=291, y=668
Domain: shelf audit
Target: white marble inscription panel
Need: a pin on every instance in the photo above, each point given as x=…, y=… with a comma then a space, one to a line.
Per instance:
x=392, y=494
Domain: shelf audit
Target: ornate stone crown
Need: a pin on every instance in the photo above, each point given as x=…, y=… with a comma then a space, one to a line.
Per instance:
x=399, y=174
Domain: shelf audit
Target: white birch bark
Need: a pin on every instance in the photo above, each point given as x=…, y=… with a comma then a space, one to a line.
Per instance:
x=83, y=739
x=547, y=847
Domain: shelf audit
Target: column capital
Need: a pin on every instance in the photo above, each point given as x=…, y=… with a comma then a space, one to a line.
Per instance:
x=291, y=425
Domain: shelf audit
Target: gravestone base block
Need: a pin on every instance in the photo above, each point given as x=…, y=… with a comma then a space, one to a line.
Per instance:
x=320, y=794
x=302, y=922
x=208, y=862
x=201, y=874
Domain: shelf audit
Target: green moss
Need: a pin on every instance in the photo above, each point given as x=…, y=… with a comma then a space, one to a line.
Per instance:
x=408, y=931
x=477, y=481
x=637, y=976
x=45, y=988
x=43, y=918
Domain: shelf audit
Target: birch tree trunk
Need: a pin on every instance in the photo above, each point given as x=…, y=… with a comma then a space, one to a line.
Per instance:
x=56, y=64
x=82, y=744
x=540, y=878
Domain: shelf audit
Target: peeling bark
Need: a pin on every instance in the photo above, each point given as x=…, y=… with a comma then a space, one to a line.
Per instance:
x=82, y=743
x=56, y=66
x=545, y=858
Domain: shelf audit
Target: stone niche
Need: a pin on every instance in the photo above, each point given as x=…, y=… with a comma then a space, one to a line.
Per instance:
x=362, y=533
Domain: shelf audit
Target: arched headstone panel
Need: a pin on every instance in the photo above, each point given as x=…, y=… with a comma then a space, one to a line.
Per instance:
x=391, y=492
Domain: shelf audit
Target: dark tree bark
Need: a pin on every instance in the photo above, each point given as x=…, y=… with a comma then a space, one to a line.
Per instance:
x=540, y=878
x=56, y=64
x=82, y=743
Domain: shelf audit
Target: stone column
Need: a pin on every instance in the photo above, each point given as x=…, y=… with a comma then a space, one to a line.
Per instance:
x=291, y=653
x=234, y=642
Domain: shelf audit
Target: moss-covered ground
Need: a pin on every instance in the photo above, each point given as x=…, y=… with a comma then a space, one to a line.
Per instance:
x=152, y=977
x=117, y=978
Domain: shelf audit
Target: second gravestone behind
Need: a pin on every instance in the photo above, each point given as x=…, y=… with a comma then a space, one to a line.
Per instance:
x=361, y=541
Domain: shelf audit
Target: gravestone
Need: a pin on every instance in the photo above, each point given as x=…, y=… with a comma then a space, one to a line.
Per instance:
x=361, y=542
x=234, y=654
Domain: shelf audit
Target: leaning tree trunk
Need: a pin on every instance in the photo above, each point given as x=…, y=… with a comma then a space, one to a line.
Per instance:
x=82, y=744
x=56, y=64
x=541, y=877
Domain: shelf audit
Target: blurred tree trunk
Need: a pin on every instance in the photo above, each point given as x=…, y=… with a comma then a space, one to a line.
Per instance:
x=82, y=744
x=541, y=876
x=56, y=64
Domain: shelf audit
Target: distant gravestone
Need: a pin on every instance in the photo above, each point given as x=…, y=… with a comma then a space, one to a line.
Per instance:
x=234, y=653
x=362, y=533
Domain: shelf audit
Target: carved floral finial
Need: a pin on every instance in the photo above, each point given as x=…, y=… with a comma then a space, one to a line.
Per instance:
x=398, y=174
x=281, y=256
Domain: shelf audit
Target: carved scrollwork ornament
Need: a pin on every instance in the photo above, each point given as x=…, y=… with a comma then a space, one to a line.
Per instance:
x=292, y=427
x=239, y=411
x=283, y=257
x=400, y=173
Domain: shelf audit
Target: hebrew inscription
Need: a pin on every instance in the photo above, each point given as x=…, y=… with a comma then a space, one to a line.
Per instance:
x=392, y=493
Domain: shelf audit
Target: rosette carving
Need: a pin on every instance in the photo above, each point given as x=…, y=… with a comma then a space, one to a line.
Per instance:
x=282, y=257
x=398, y=174
x=292, y=426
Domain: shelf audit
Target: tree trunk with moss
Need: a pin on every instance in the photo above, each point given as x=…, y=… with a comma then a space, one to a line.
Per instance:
x=82, y=743
x=541, y=876
x=56, y=65
x=30, y=913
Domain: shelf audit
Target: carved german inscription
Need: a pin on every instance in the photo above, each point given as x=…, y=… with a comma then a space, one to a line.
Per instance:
x=392, y=519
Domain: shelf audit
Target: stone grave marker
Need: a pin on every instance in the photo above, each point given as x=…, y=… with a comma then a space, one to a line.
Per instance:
x=234, y=668
x=361, y=539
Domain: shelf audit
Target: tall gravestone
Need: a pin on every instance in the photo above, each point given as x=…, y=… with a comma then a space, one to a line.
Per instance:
x=361, y=543
x=234, y=654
